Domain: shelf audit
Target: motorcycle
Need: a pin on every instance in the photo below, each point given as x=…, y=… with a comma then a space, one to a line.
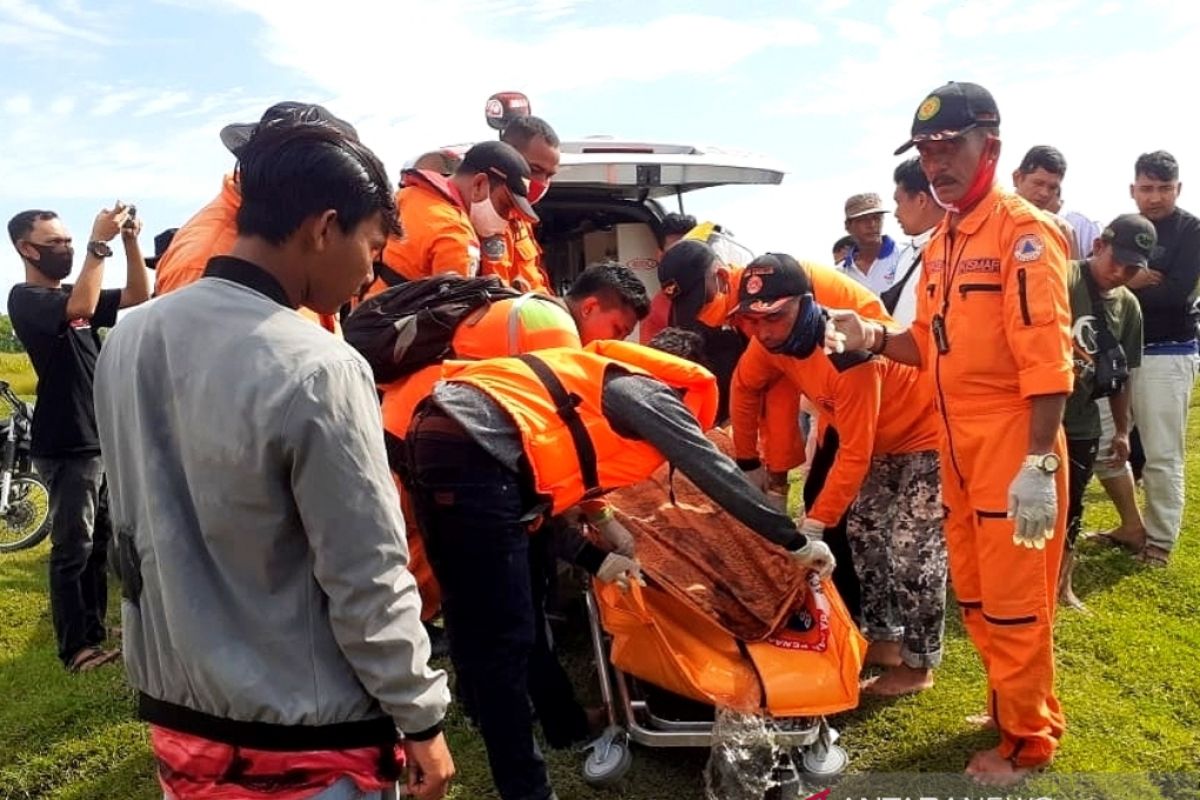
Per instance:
x=24, y=496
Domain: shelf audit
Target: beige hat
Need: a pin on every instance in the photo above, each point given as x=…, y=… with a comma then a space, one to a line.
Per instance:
x=860, y=205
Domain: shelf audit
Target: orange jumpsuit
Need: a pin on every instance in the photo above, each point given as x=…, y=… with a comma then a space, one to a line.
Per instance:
x=515, y=258
x=211, y=232
x=850, y=400
x=436, y=233
x=782, y=440
x=998, y=285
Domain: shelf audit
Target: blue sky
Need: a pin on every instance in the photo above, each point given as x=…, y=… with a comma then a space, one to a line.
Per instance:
x=100, y=100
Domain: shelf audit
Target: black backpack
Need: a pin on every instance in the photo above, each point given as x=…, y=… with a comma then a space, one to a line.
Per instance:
x=411, y=325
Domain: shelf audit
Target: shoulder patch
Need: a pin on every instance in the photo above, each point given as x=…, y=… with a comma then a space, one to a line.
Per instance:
x=1029, y=247
x=844, y=361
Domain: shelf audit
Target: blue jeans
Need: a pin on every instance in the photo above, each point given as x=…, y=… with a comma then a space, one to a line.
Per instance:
x=79, y=535
x=472, y=512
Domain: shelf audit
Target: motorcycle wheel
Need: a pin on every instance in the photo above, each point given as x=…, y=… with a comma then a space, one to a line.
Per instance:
x=27, y=521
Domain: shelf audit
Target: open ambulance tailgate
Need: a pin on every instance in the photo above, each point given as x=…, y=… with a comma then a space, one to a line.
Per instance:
x=658, y=170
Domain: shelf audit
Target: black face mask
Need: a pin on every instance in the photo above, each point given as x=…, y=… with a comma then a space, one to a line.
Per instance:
x=52, y=262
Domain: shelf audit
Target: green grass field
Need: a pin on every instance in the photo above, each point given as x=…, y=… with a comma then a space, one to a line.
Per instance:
x=1128, y=678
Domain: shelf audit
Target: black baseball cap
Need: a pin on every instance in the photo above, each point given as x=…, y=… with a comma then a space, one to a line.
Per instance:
x=769, y=282
x=235, y=136
x=161, y=242
x=1133, y=238
x=950, y=111
x=682, y=275
x=502, y=161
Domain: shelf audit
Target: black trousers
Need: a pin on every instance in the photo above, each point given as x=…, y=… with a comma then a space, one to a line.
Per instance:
x=844, y=576
x=473, y=513
x=1081, y=455
x=79, y=536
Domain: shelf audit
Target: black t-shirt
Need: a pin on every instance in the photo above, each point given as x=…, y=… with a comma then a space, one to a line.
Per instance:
x=1167, y=308
x=64, y=357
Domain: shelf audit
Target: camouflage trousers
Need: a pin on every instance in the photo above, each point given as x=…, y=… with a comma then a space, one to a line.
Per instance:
x=899, y=546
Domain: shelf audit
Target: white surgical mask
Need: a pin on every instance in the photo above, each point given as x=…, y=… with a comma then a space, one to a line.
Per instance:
x=486, y=220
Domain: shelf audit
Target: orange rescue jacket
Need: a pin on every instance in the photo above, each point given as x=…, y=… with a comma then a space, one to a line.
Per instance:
x=554, y=398
x=999, y=287
x=436, y=233
x=852, y=400
x=211, y=232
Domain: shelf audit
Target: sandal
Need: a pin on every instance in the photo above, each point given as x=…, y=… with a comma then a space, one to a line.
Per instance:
x=1108, y=540
x=90, y=658
x=1152, y=556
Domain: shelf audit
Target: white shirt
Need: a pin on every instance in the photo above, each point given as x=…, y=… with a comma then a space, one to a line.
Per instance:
x=906, y=306
x=1086, y=231
x=881, y=274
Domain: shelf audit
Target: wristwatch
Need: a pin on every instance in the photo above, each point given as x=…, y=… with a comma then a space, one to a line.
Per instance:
x=1047, y=462
x=99, y=249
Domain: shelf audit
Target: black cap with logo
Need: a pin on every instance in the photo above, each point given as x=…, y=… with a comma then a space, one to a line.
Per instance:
x=1132, y=238
x=502, y=162
x=950, y=111
x=235, y=136
x=769, y=282
x=683, y=274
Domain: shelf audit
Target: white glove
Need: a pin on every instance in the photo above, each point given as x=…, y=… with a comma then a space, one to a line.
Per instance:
x=835, y=340
x=619, y=569
x=616, y=535
x=816, y=556
x=811, y=528
x=1033, y=506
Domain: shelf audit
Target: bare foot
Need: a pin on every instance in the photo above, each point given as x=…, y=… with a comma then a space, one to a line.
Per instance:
x=988, y=768
x=1067, y=598
x=898, y=681
x=1133, y=540
x=884, y=654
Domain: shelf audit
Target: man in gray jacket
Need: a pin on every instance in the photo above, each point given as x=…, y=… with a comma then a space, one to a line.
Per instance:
x=267, y=605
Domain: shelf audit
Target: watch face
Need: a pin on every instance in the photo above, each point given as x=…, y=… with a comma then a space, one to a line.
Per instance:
x=1051, y=462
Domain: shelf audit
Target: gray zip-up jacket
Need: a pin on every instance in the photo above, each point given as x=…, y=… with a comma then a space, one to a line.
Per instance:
x=252, y=502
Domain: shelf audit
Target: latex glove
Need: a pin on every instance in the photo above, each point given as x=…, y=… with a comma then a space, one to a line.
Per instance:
x=816, y=556
x=835, y=339
x=1033, y=506
x=616, y=535
x=621, y=570
x=811, y=528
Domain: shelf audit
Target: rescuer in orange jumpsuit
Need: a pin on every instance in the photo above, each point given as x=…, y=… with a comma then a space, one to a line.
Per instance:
x=213, y=229
x=993, y=333
x=443, y=220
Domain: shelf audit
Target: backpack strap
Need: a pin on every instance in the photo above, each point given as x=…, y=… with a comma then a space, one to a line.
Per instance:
x=388, y=275
x=891, y=296
x=566, y=404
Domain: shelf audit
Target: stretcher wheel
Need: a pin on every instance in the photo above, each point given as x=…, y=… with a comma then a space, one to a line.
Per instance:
x=608, y=760
x=825, y=761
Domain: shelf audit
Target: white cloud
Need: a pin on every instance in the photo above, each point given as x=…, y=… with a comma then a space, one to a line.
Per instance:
x=19, y=104
x=164, y=101
x=62, y=106
x=34, y=20
x=853, y=30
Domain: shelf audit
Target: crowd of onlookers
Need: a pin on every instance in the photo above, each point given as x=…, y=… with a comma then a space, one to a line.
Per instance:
x=949, y=397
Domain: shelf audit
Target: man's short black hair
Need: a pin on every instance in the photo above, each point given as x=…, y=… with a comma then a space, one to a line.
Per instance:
x=22, y=224
x=523, y=130
x=288, y=173
x=1043, y=156
x=682, y=344
x=676, y=224
x=845, y=241
x=1159, y=165
x=612, y=284
x=909, y=176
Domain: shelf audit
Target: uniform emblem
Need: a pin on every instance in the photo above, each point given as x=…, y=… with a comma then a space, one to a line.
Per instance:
x=929, y=108
x=494, y=248
x=494, y=109
x=753, y=284
x=1028, y=248
x=1144, y=240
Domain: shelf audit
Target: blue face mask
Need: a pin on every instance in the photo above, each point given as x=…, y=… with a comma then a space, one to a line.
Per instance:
x=807, y=333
